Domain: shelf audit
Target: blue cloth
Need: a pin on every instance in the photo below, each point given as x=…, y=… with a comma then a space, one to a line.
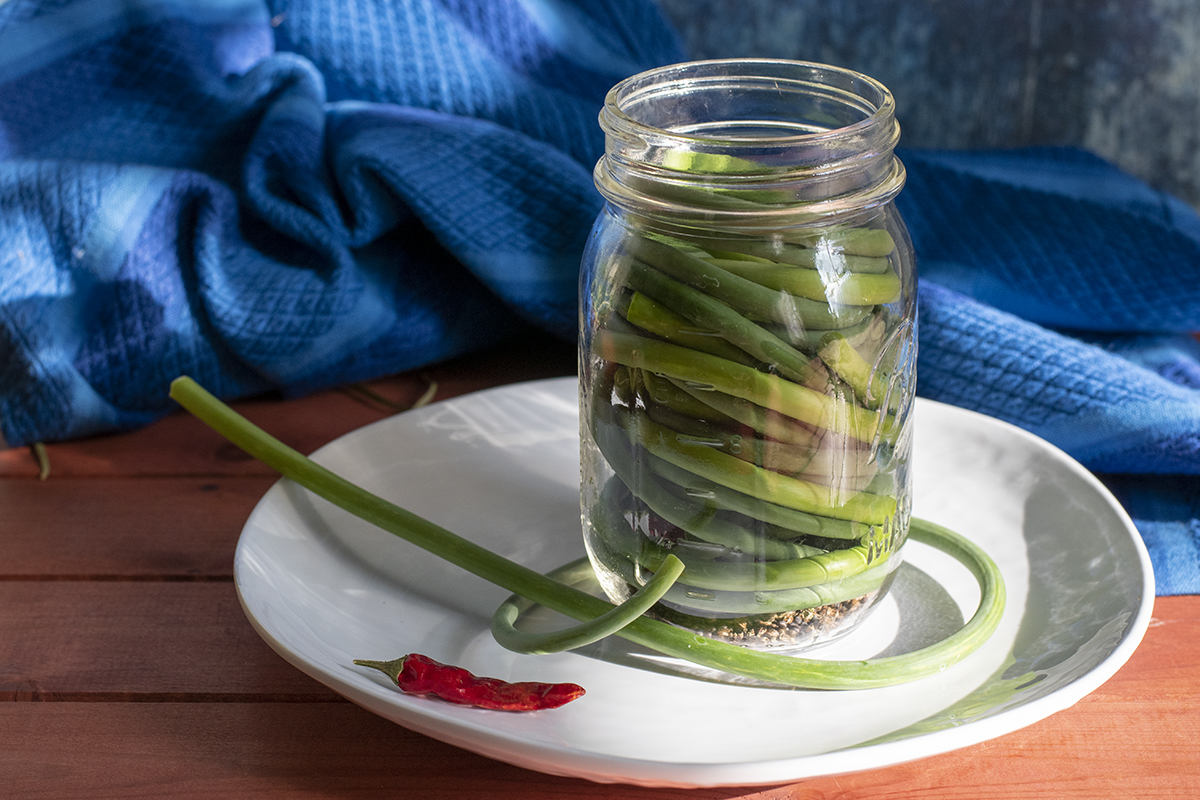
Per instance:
x=293, y=194
x=288, y=194
x=1058, y=293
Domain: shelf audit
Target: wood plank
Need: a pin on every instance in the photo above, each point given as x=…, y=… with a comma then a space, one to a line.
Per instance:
x=66, y=639
x=1097, y=750
x=179, y=445
x=137, y=640
x=165, y=527
x=526, y=358
x=1166, y=665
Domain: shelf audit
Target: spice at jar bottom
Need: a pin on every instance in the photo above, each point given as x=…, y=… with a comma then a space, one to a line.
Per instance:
x=747, y=349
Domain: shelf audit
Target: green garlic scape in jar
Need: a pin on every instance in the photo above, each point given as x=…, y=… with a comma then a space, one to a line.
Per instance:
x=747, y=348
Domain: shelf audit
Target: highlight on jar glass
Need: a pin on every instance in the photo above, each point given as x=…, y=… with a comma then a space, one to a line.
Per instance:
x=747, y=349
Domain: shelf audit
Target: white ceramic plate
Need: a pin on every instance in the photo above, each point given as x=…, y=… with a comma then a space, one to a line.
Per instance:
x=501, y=468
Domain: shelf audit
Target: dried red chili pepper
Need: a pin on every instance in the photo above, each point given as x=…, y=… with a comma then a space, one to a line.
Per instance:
x=418, y=674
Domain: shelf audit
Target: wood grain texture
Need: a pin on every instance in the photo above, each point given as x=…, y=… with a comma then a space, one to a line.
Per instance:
x=104, y=527
x=111, y=646
x=131, y=671
x=180, y=445
x=280, y=750
x=119, y=639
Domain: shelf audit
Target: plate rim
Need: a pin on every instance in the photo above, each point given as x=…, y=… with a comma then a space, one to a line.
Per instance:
x=475, y=736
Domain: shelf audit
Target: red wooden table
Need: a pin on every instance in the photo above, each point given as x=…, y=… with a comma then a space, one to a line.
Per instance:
x=133, y=672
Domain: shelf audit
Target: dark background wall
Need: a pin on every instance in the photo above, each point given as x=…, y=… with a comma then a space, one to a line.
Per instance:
x=1119, y=77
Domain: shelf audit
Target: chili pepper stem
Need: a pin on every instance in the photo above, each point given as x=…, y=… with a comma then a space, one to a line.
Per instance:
x=390, y=668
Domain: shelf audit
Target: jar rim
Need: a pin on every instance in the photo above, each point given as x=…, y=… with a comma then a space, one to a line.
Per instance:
x=880, y=111
x=699, y=142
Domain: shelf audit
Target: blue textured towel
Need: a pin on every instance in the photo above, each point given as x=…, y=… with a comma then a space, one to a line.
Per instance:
x=293, y=194
x=1010, y=243
x=290, y=194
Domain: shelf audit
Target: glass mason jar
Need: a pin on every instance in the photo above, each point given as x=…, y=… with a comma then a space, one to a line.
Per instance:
x=747, y=348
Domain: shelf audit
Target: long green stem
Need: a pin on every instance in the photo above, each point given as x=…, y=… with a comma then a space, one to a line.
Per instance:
x=868, y=384
x=705, y=311
x=705, y=497
x=687, y=515
x=666, y=639
x=849, y=289
x=654, y=317
x=757, y=603
x=739, y=292
x=857, y=249
x=716, y=496
x=703, y=458
x=708, y=462
x=826, y=460
x=760, y=388
x=806, y=257
x=505, y=633
x=767, y=423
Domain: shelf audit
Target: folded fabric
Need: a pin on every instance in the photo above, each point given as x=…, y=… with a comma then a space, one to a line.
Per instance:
x=1061, y=238
x=1056, y=236
x=292, y=194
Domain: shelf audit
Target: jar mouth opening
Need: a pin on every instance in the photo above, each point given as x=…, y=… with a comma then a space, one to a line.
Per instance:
x=838, y=103
x=740, y=142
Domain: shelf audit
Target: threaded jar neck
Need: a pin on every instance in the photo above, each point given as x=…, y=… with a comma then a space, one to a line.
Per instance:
x=747, y=144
